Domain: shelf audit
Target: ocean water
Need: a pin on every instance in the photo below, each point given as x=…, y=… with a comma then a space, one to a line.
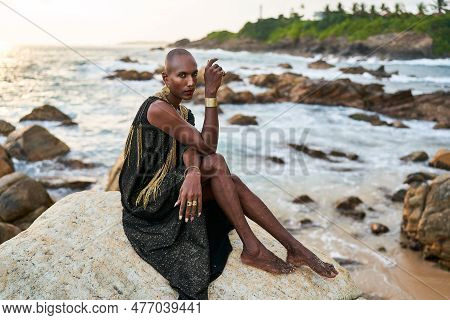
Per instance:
x=74, y=82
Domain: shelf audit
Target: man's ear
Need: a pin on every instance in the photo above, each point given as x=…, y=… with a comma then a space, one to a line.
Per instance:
x=164, y=76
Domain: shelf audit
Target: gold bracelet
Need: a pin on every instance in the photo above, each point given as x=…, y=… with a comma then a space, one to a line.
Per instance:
x=190, y=168
x=211, y=102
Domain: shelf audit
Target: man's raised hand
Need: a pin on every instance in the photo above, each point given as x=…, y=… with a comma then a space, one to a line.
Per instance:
x=213, y=78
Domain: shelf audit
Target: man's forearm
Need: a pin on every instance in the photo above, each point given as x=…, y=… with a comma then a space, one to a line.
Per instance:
x=191, y=157
x=210, y=130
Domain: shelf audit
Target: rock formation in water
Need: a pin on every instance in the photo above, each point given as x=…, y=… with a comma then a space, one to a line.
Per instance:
x=426, y=219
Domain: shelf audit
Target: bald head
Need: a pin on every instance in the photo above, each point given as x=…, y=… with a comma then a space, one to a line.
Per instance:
x=175, y=56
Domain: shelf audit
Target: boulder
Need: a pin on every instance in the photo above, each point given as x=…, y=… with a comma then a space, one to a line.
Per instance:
x=65, y=255
x=349, y=155
x=227, y=78
x=419, y=177
x=441, y=159
x=285, y=65
x=46, y=113
x=225, y=95
x=426, y=219
x=378, y=228
x=243, y=120
x=398, y=195
x=20, y=195
x=8, y=231
x=76, y=163
x=6, y=164
x=320, y=64
x=67, y=182
x=350, y=207
x=372, y=119
x=34, y=143
x=113, y=176
x=127, y=59
x=6, y=128
x=275, y=159
x=304, y=198
x=416, y=156
x=130, y=75
x=318, y=154
x=378, y=73
x=442, y=125
x=230, y=77
x=159, y=70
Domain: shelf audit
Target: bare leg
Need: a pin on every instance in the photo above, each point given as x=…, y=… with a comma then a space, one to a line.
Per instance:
x=297, y=254
x=215, y=173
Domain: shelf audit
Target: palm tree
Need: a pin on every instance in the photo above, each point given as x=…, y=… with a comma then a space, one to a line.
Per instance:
x=440, y=5
x=327, y=10
x=398, y=9
x=362, y=8
x=421, y=8
x=340, y=8
x=373, y=10
x=385, y=9
x=355, y=8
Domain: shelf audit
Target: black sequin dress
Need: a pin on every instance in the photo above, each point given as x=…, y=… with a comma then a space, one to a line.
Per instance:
x=189, y=255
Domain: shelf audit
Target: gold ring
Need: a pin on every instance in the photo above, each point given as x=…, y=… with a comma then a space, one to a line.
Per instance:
x=194, y=203
x=188, y=203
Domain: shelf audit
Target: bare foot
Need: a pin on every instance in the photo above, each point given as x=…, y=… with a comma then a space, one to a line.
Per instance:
x=303, y=256
x=266, y=261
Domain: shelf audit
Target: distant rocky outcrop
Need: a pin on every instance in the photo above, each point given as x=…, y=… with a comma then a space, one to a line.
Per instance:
x=127, y=59
x=378, y=73
x=426, y=219
x=130, y=75
x=34, y=143
x=320, y=64
x=404, y=45
x=66, y=255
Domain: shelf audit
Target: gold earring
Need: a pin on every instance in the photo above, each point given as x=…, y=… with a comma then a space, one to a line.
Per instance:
x=165, y=90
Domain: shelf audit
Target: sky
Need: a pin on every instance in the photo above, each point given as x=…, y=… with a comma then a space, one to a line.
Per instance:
x=108, y=22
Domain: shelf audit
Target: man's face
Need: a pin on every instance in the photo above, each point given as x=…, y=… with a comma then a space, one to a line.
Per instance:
x=181, y=76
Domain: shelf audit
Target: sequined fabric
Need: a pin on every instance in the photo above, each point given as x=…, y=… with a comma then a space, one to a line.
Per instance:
x=189, y=255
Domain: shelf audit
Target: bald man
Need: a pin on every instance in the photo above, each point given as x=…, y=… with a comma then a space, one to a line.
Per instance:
x=214, y=180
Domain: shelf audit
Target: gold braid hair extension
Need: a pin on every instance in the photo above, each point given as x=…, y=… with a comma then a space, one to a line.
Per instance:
x=126, y=151
x=153, y=187
x=139, y=143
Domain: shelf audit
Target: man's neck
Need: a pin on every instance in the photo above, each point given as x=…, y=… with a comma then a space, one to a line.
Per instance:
x=175, y=101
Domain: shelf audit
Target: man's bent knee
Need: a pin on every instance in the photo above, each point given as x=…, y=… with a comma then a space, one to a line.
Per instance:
x=215, y=162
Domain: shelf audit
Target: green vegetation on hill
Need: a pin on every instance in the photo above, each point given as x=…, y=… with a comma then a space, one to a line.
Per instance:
x=356, y=26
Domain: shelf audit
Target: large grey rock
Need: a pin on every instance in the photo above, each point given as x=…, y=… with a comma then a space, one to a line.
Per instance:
x=77, y=250
x=34, y=143
x=20, y=195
